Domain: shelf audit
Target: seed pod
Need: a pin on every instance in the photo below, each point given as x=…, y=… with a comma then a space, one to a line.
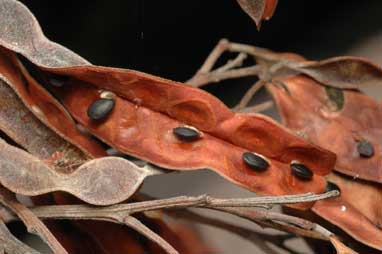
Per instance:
x=255, y=161
x=186, y=133
x=100, y=109
x=301, y=171
x=330, y=186
x=365, y=149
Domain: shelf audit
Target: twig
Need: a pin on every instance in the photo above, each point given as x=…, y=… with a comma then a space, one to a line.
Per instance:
x=117, y=213
x=10, y=244
x=258, y=238
x=294, y=225
x=258, y=108
x=121, y=213
x=249, y=94
x=214, y=77
x=141, y=228
x=238, y=61
x=213, y=56
x=32, y=222
x=206, y=75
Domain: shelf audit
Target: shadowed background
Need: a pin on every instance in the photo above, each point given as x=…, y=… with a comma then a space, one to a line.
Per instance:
x=172, y=38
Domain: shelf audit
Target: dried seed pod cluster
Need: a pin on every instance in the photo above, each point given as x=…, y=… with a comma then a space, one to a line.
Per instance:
x=352, y=128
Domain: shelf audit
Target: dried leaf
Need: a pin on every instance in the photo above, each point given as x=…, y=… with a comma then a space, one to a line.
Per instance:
x=148, y=108
x=103, y=181
x=258, y=10
x=342, y=72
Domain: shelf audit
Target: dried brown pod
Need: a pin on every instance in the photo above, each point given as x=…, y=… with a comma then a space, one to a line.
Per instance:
x=357, y=211
x=147, y=108
x=103, y=181
x=339, y=120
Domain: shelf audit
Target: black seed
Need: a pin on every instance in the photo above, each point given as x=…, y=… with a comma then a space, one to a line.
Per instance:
x=301, y=171
x=365, y=149
x=100, y=109
x=331, y=186
x=187, y=134
x=255, y=161
x=58, y=81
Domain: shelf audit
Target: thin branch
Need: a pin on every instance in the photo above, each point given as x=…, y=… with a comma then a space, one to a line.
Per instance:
x=258, y=238
x=296, y=225
x=214, y=77
x=249, y=94
x=121, y=213
x=32, y=222
x=141, y=228
x=206, y=75
x=117, y=213
x=238, y=61
x=258, y=108
x=210, y=61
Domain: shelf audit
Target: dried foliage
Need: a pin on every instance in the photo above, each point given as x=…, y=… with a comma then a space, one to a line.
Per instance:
x=259, y=10
x=58, y=112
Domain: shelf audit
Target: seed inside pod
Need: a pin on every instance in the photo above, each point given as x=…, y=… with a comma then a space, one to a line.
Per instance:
x=58, y=81
x=186, y=133
x=107, y=95
x=365, y=149
x=301, y=171
x=100, y=109
x=331, y=186
x=255, y=161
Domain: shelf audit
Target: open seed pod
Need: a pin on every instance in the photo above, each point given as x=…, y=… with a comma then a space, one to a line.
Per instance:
x=348, y=123
x=141, y=115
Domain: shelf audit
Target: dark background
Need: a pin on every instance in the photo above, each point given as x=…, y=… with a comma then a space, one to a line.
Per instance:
x=171, y=38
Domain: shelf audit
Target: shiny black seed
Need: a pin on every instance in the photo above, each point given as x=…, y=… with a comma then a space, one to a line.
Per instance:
x=301, y=171
x=365, y=149
x=100, y=109
x=58, y=81
x=255, y=162
x=186, y=133
x=331, y=186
